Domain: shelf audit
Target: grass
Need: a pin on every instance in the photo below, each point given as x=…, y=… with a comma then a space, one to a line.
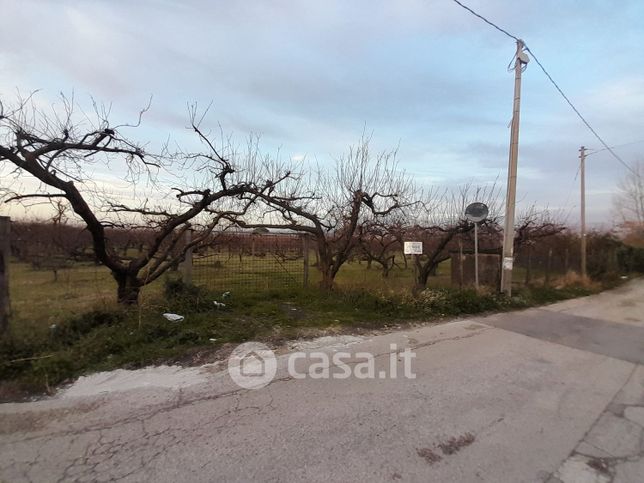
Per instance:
x=38, y=300
x=66, y=328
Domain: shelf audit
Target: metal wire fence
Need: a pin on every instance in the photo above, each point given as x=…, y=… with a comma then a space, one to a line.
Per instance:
x=252, y=261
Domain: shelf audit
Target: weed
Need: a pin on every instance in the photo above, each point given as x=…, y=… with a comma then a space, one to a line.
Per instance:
x=600, y=465
x=454, y=445
x=430, y=456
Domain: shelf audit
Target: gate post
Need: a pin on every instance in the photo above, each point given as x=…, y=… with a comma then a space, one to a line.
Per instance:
x=305, y=250
x=5, y=252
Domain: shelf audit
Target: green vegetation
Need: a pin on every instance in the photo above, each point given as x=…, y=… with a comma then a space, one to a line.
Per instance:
x=71, y=327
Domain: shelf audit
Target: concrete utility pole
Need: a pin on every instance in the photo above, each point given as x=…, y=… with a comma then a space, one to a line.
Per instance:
x=582, y=175
x=508, y=232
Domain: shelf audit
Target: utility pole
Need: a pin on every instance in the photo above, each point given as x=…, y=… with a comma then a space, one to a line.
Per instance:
x=508, y=232
x=582, y=176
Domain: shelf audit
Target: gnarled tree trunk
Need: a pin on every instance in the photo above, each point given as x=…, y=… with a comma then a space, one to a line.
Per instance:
x=129, y=287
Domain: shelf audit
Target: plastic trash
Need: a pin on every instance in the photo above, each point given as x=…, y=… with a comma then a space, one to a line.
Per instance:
x=173, y=317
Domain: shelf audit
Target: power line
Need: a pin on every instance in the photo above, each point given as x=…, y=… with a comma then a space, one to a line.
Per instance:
x=615, y=147
x=552, y=81
x=486, y=20
x=606, y=146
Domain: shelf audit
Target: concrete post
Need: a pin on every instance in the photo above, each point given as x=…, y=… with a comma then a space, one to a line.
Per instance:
x=582, y=180
x=508, y=231
x=186, y=266
x=460, y=262
x=305, y=252
x=5, y=252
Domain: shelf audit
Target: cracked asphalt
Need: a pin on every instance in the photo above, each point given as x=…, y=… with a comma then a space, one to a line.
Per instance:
x=554, y=394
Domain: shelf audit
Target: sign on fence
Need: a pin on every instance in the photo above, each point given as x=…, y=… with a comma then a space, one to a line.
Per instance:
x=413, y=248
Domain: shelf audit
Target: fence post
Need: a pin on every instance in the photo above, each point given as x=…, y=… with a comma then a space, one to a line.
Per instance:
x=305, y=249
x=528, y=268
x=5, y=252
x=547, y=281
x=460, y=263
x=186, y=266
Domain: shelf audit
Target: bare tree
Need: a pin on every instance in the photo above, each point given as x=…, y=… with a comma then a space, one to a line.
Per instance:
x=629, y=201
x=381, y=239
x=629, y=206
x=533, y=225
x=440, y=221
x=331, y=204
x=61, y=151
x=58, y=250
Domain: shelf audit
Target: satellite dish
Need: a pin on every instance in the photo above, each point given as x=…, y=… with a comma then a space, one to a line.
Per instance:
x=476, y=212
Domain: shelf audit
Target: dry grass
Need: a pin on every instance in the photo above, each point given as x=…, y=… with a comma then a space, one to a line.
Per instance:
x=38, y=300
x=574, y=279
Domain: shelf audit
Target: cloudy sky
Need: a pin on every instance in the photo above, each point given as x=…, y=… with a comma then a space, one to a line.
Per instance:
x=309, y=76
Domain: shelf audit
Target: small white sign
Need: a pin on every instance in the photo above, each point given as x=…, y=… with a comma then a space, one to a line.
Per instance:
x=507, y=263
x=413, y=248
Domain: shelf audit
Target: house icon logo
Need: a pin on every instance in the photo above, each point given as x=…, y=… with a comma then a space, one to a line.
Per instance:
x=252, y=365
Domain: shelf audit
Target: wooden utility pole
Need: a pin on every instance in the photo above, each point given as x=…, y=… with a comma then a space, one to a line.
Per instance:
x=582, y=176
x=508, y=232
x=5, y=252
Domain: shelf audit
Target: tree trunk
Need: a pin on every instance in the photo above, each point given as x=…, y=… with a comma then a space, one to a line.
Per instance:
x=420, y=276
x=387, y=266
x=327, y=272
x=327, y=280
x=128, y=289
x=385, y=271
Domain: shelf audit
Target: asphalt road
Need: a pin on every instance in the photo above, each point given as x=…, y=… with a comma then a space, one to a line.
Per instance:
x=550, y=394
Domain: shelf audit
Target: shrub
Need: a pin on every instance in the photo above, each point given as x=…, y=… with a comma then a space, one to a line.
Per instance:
x=445, y=301
x=73, y=329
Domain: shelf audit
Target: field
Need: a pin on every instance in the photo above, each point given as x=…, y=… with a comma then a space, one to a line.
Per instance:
x=39, y=299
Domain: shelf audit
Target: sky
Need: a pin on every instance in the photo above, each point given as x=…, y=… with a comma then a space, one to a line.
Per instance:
x=311, y=76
